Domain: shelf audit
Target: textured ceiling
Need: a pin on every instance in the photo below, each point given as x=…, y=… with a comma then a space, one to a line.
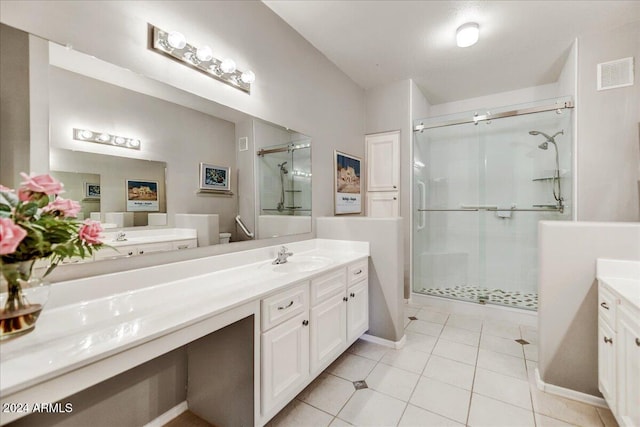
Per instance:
x=522, y=43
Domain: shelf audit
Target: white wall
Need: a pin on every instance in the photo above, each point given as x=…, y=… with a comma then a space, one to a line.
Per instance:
x=296, y=85
x=608, y=130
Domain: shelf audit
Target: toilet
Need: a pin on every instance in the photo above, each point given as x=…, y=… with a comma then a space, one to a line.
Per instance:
x=224, y=237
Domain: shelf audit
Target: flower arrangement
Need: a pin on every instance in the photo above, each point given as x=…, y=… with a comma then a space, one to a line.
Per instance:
x=36, y=223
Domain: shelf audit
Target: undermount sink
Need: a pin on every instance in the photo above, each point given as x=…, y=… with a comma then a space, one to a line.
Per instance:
x=301, y=264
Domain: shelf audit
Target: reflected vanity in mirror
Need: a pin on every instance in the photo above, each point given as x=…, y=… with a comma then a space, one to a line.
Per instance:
x=176, y=131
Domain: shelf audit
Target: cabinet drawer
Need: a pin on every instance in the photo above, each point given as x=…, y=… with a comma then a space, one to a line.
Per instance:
x=285, y=305
x=119, y=252
x=328, y=285
x=150, y=248
x=607, y=306
x=358, y=271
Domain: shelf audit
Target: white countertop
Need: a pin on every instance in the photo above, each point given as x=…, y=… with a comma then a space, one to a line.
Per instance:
x=91, y=319
x=156, y=235
x=621, y=276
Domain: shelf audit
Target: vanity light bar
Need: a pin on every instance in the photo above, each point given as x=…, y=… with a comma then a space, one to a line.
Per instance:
x=106, y=138
x=174, y=45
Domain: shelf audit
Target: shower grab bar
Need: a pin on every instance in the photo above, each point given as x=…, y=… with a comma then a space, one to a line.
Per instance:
x=486, y=117
x=244, y=228
x=495, y=209
x=423, y=198
x=480, y=207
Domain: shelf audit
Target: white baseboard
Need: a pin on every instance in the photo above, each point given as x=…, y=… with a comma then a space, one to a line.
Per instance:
x=387, y=343
x=168, y=416
x=570, y=394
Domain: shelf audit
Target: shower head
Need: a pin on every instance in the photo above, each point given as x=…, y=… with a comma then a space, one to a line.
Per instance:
x=549, y=138
x=282, y=168
x=544, y=145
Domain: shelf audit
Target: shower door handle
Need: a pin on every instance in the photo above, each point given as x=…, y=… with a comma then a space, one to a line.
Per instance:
x=423, y=197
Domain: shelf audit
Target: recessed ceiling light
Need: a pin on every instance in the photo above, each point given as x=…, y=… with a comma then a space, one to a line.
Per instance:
x=467, y=34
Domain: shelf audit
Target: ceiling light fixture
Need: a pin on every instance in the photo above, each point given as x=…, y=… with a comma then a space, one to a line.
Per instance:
x=467, y=34
x=174, y=45
x=106, y=138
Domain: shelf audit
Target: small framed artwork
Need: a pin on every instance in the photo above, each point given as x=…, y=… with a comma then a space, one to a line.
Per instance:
x=348, y=187
x=142, y=196
x=215, y=178
x=91, y=191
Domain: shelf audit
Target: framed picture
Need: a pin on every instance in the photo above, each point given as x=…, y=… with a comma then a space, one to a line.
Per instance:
x=91, y=191
x=348, y=188
x=217, y=178
x=142, y=196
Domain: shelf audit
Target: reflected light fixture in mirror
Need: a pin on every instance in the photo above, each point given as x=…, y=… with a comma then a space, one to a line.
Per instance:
x=106, y=138
x=174, y=45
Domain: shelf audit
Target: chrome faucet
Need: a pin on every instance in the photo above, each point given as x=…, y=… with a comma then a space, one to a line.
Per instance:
x=282, y=256
x=121, y=236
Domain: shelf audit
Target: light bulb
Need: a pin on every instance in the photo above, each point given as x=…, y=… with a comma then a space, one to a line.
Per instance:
x=248, y=77
x=228, y=66
x=467, y=34
x=204, y=53
x=176, y=40
x=86, y=134
x=134, y=143
x=118, y=140
x=103, y=137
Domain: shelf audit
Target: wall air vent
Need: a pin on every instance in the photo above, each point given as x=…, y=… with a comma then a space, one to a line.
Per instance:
x=613, y=74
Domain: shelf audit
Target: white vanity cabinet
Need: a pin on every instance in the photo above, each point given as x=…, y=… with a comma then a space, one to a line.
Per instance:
x=619, y=354
x=141, y=249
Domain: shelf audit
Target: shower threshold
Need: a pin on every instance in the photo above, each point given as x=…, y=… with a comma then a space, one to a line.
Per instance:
x=481, y=295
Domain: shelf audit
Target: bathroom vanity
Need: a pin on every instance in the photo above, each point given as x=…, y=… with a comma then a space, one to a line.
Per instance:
x=619, y=338
x=300, y=316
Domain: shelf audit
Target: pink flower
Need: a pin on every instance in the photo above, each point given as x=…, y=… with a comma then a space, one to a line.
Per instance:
x=5, y=189
x=39, y=184
x=65, y=207
x=10, y=236
x=90, y=232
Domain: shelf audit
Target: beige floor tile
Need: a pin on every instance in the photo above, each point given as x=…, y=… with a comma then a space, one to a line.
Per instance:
x=607, y=418
x=502, y=387
x=531, y=372
x=370, y=408
x=298, y=413
x=411, y=311
x=328, y=393
x=529, y=333
x=407, y=321
x=420, y=342
x=501, y=329
x=487, y=412
x=429, y=315
x=443, y=399
x=567, y=410
x=502, y=363
x=407, y=359
x=337, y=422
x=368, y=349
x=531, y=352
x=351, y=367
x=450, y=371
x=418, y=417
x=544, y=421
x=469, y=323
x=392, y=381
x=501, y=345
x=462, y=336
x=456, y=351
x=426, y=328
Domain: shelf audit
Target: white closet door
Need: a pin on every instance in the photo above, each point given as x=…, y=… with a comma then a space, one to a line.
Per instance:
x=383, y=205
x=383, y=161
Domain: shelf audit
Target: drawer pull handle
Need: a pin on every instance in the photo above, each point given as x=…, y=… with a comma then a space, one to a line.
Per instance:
x=130, y=253
x=608, y=340
x=355, y=273
x=141, y=252
x=638, y=342
x=352, y=295
x=604, y=305
x=305, y=322
x=286, y=306
x=345, y=299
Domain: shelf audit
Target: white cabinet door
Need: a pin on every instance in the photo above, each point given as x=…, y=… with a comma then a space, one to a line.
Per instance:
x=606, y=362
x=150, y=248
x=383, y=161
x=285, y=360
x=383, y=205
x=328, y=323
x=357, y=310
x=628, y=358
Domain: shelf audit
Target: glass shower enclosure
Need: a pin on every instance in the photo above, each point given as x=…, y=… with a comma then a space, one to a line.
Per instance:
x=481, y=182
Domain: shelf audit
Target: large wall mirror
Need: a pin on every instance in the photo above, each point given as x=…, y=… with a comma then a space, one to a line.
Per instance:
x=259, y=173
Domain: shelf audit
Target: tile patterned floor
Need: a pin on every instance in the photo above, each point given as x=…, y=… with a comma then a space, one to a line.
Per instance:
x=455, y=370
x=525, y=300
